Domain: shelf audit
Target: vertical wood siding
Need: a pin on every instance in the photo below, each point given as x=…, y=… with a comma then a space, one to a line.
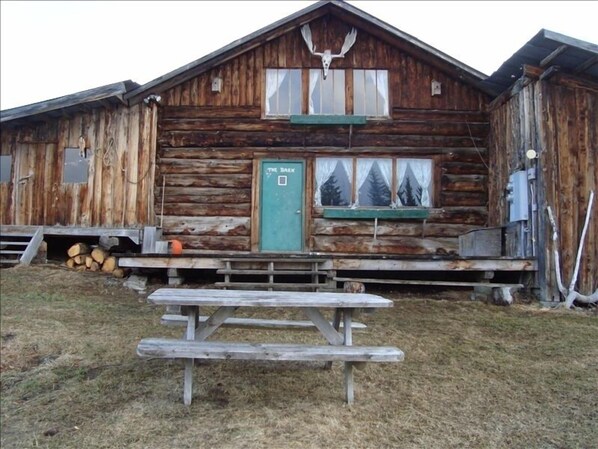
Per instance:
x=559, y=121
x=120, y=187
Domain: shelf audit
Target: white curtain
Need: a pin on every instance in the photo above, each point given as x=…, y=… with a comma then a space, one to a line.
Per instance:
x=401, y=170
x=385, y=166
x=274, y=79
x=363, y=170
x=382, y=87
x=324, y=168
x=422, y=169
x=314, y=76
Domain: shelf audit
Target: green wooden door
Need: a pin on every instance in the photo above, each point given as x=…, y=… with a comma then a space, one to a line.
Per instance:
x=281, y=206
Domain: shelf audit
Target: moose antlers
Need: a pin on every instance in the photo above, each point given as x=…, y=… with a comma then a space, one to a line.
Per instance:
x=327, y=55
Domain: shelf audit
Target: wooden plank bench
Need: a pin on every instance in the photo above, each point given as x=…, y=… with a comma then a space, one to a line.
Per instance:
x=171, y=348
x=187, y=349
x=194, y=343
x=253, y=323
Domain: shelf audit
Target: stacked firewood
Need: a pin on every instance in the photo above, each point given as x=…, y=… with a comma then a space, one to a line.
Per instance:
x=83, y=257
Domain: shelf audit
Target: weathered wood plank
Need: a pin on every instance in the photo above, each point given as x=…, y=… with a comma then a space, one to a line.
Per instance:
x=211, y=325
x=236, y=181
x=306, y=137
x=238, y=298
x=205, y=195
x=253, y=323
x=324, y=326
x=211, y=242
x=206, y=225
x=199, y=167
x=214, y=210
x=428, y=282
x=169, y=348
x=385, y=245
x=388, y=228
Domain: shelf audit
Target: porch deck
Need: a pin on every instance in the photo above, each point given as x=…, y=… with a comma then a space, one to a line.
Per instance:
x=324, y=272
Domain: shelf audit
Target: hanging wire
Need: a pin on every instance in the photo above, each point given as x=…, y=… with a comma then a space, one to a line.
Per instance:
x=475, y=146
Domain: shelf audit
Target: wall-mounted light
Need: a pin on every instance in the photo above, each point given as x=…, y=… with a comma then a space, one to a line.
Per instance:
x=153, y=98
x=217, y=84
x=531, y=154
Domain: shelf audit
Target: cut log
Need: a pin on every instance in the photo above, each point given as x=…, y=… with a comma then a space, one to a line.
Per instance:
x=80, y=259
x=110, y=264
x=120, y=273
x=99, y=255
x=78, y=248
x=94, y=266
x=80, y=267
x=70, y=263
x=88, y=261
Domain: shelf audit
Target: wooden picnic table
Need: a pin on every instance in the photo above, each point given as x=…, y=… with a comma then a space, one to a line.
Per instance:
x=194, y=344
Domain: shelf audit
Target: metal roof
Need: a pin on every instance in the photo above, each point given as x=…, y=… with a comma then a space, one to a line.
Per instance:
x=112, y=93
x=284, y=25
x=546, y=49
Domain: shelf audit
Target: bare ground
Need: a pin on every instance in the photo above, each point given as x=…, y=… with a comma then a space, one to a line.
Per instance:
x=474, y=376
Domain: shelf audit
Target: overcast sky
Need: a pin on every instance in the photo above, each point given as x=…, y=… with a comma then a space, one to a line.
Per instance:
x=50, y=49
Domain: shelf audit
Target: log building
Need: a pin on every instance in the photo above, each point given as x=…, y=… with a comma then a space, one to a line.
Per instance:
x=328, y=133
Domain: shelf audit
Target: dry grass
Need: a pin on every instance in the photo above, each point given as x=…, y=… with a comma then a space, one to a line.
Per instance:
x=474, y=376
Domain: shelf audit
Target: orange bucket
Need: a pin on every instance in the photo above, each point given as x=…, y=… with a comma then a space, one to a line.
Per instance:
x=176, y=247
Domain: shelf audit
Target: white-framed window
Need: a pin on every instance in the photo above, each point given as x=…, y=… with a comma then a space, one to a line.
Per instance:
x=283, y=92
x=373, y=182
x=5, y=167
x=76, y=166
x=334, y=181
x=370, y=92
x=326, y=96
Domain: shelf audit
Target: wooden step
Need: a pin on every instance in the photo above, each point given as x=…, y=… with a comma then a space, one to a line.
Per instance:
x=270, y=272
x=274, y=285
x=32, y=245
x=275, y=260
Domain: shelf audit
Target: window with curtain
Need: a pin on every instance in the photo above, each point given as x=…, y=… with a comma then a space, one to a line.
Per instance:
x=414, y=179
x=76, y=166
x=370, y=93
x=334, y=177
x=327, y=96
x=283, y=92
x=373, y=182
x=5, y=166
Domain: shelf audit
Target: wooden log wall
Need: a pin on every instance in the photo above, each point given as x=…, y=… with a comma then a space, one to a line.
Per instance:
x=558, y=118
x=120, y=187
x=209, y=144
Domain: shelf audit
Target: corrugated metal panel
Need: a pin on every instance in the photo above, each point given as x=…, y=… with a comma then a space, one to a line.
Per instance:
x=572, y=55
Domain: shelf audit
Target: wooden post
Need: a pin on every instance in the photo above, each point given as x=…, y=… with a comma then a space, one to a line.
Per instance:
x=188, y=378
x=348, y=341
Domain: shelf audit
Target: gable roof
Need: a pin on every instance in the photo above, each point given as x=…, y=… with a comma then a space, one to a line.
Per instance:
x=129, y=92
x=343, y=10
x=544, y=50
x=111, y=93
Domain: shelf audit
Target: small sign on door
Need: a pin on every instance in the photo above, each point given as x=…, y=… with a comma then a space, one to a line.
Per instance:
x=282, y=180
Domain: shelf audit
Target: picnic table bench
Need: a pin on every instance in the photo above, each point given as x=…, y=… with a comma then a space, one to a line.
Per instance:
x=194, y=344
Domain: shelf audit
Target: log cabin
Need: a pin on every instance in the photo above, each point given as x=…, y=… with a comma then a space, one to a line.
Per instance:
x=328, y=138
